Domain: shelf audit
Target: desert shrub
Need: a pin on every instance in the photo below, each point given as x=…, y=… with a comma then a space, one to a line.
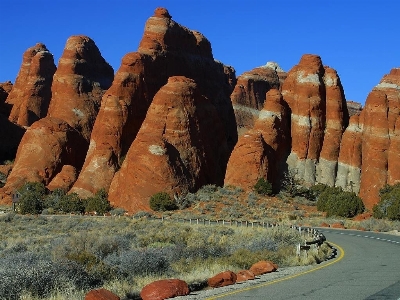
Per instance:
x=98, y=203
x=162, y=201
x=142, y=214
x=31, y=198
x=389, y=203
x=208, y=189
x=37, y=275
x=245, y=258
x=263, y=187
x=71, y=203
x=318, y=189
x=135, y=262
x=292, y=186
x=119, y=211
x=52, y=200
x=185, y=201
x=336, y=202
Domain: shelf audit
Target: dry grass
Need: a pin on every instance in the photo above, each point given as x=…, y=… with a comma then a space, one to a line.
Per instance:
x=123, y=254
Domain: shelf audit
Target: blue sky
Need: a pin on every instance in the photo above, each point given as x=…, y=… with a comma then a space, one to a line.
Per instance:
x=358, y=38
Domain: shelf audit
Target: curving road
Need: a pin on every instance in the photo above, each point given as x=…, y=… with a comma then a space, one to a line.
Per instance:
x=367, y=267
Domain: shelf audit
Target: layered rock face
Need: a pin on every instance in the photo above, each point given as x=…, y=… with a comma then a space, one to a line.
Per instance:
x=336, y=121
x=167, y=49
x=262, y=151
x=350, y=156
x=31, y=93
x=380, y=141
x=45, y=148
x=179, y=148
x=79, y=83
x=316, y=99
x=354, y=108
x=248, y=97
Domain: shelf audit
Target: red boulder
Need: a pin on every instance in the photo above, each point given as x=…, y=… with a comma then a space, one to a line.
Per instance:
x=164, y=289
x=263, y=267
x=222, y=279
x=101, y=294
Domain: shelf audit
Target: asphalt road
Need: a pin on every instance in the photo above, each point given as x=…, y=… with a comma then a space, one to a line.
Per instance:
x=367, y=267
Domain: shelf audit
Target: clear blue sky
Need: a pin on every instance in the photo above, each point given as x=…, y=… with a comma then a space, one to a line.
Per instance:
x=358, y=38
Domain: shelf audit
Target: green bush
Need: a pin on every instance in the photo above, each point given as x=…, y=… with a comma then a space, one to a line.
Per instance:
x=162, y=201
x=389, y=204
x=60, y=202
x=31, y=198
x=336, y=202
x=71, y=203
x=98, y=203
x=263, y=187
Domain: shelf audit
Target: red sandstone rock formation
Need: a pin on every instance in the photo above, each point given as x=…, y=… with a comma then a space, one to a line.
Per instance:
x=263, y=267
x=354, y=108
x=79, y=83
x=319, y=116
x=349, y=162
x=222, y=279
x=248, y=97
x=101, y=294
x=179, y=148
x=369, y=155
x=167, y=49
x=304, y=91
x=336, y=121
x=46, y=146
x=375, y=146
x=31, y=93
x=164, y=289
x=65, y=179
x=262, y=151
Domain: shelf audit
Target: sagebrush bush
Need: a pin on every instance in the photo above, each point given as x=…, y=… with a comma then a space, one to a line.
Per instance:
x=162, y=201
x=38, y=275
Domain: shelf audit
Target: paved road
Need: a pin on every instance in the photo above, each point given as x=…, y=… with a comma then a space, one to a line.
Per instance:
x=367, y=267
